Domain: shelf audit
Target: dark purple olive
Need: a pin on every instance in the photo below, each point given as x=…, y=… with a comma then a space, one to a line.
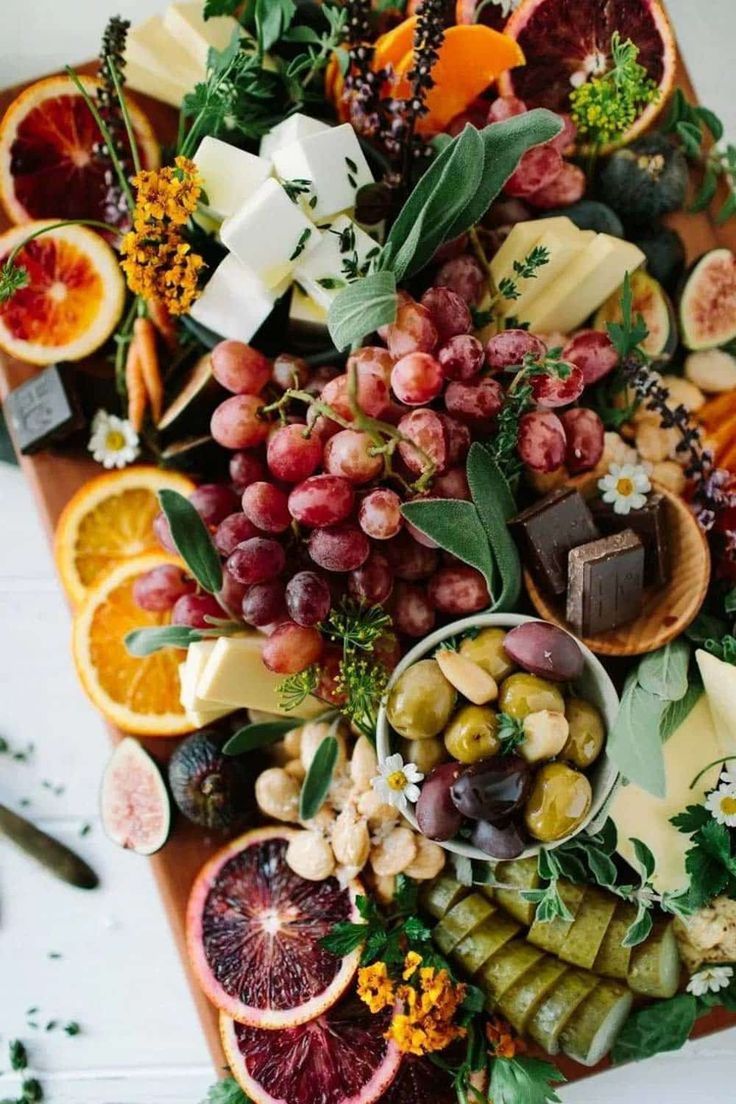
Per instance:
x=437, y=817
x=499, y=843
x=544, y=650
x=492, y=789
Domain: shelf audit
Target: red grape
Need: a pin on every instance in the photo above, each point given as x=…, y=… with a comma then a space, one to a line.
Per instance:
x=566, y=138
x=464, y=276
x=193, y=609
x=508, y=349
x=476, y=401
x=423, y=430
x=373, y=582
x=387, y=650
x=594, y=354
x=320, y=377
x=160, y=588
x=231, y=594
x=256, y=561
x=449, y=312
x=419, y=536
x=240, y=368
x=267, y=506
x=452, y=248
x=329, y=687
x=505, y=107
x=537, y=167
x=585, y=439
x=409, y=560
x=373, y=393
x=292, y=648
x=542, y=441
x=451, y=484
x=457, y=437
x=379, y=514
x=551, y=390
x=264, y=604
x=412, y=332
x=232, y=531
x=566, y=188
x=290, y=455
x=339, y=547
x=162, y=532
x=416, y=379
x=412, y=613
x=213, y=502
x=308, y=598
x=349, y=454
x=290, y=371
x=321, y=500
x=236, y=424
x=461, y=357
x=458, y=590
x=245, y=468
x=321, y=427
x=372, y=358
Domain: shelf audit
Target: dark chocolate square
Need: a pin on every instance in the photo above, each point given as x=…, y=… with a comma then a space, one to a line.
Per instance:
x=548, y=530
x=41, y=410
x=650, y=525
x=605, y=583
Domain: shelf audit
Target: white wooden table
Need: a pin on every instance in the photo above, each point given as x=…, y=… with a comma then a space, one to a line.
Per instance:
x=118, y=973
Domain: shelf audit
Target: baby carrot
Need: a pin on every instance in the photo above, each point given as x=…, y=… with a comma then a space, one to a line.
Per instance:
x=135, y=386
x=145, y=335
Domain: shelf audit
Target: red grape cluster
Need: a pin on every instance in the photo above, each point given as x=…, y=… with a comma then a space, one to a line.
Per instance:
x=543, y=178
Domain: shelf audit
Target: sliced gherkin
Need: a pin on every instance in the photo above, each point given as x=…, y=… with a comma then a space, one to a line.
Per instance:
x=550, y=935
x=520, y=1002
x=551, y=1016
x=505, y=968
x=460, y=920
x=583, y=941
x=523, y=874
x=592, y=1029
x=440, y=895
x=613, y=957
x=472, y=952
x=655, y=964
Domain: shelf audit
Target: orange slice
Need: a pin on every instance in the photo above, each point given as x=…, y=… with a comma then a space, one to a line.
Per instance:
x=73, y=299
x=140, y=696
x=110, y=520
x=393, y=46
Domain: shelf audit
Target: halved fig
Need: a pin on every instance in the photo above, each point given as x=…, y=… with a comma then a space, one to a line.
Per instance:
x=651, y=302
x=134, y=804
x=708, y=301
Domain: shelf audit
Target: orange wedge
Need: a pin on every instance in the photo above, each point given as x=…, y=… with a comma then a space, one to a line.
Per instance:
x=140, y=696
x=392, y=47
x=108, y=521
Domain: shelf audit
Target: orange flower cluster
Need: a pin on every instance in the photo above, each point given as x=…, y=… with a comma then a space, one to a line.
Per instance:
x=158, y=263
x=502, y=1043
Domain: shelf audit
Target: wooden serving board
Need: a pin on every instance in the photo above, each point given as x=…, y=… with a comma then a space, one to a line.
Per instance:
x=54, y=476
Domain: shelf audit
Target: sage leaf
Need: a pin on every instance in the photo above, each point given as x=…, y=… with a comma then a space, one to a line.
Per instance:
x=361, y=308
x=675, y=712
x=495, y=505
x=319, y=777
x=144, y=642
x=640, y=930
x=644, y=859
x=663, y=1026
x=272, y=18
x=192, y=539
x=664, y=672
x=634, y=744
x=456, y=526
x=254, y=736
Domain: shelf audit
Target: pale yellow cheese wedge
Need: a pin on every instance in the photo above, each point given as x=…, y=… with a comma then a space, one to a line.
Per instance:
x=157, y=65
x=186, y=24
x=234, y=675
x=719, y=679
x=189, y=672
x=520, y=241
x=563, y=246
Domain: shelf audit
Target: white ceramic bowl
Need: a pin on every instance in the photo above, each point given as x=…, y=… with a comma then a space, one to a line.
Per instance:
x=594, y=685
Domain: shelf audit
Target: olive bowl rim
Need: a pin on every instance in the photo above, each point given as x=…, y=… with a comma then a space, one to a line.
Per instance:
x=604, y=774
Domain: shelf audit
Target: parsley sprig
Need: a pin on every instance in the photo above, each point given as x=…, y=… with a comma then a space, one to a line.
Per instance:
x=710, y=863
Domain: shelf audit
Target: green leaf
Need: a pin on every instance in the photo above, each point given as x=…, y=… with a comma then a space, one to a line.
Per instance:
x=192, y=539
x=664, y=672
x=640, y=929
x=345, y=937
x=456, y=526
x=644, y=859
x=675, y=712
x=361, y=308
x=711, y=120
x=213, y=8
x=263, y=734
x=226, y=1092
x=663, y=1026
x=273, y=17
x=634, y=744
x=319, y=777
x=495, y=505
x=527, y=1080
x=144, y=642
x=691, y=819
x=706, y=191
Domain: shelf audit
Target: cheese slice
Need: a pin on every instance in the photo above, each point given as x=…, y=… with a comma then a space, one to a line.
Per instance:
x=522, y=238
x=186, y=24
x=563, y=247
x=307, y=319
x=234, y=675
x=719, y=679
x=158, y=85
x=189, y=672
x=157, y=65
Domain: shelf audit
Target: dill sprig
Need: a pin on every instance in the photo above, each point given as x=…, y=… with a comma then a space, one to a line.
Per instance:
x=295, y=689
x=604, y=108
x=357, y=626
x=363, y=683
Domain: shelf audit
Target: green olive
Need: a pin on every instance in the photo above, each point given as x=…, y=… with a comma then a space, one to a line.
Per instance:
x=472, y=734
x=486, y=649
x=558, y=803
x=421, y=701
x=521, y=694
x=425, y=754
x=587, y=733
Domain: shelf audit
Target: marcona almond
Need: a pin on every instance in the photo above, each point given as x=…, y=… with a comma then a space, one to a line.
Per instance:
x=428, y=861
x=310, y=856
x=312, y=736
x=323, y=821
x=655, y=443
x=670, y=475
x=363, y=763
x=395, y=852
x=683, y=392
x=467, y=677
x=351, y=839
x=384, y=888
x=295, y=768
x=617, y=451
x=277, y=795
x=293, y=742
x=713, y=370
x=378, y=812
x=545, y=735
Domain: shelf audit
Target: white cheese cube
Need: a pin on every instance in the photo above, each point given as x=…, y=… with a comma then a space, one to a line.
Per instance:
x=344, y=253
x=307, y=319
x=157, y=65
x=290, y=130
x=270, y=233
x=333, y=163
x=234, y=675
x=235, y=303
x=230, y=176
x=185, y=22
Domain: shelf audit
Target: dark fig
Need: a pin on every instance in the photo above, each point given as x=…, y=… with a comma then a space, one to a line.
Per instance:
x=492, y=789
x=499, y=843
x=208, y=787
x=436, y=814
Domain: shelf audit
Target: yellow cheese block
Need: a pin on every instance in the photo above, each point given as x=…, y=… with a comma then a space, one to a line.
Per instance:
x=234, y=675
x=719, y=679
x=157, y=65
x=186, y=24
x=586, y=283
x=520, y=241
x=189, y=672
x=563, y=247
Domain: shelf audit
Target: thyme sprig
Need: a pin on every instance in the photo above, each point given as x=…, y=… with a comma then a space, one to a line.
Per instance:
x=518, y=399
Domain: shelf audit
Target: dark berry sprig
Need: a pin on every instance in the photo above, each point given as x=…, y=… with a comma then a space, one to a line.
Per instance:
x=433, y=17
x=363, y=84
x=112, y=61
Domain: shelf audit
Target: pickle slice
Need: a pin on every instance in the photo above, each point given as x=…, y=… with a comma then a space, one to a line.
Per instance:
x=592, y=1029
x=505, y=968
x=475, y=949
x=441, y=894
x=524, y=874
x=521, y=1001
x=461, y=919
x=655, y=964
x=550, y=935
x=583, y=941
x=613, y=958
x=547, y=1023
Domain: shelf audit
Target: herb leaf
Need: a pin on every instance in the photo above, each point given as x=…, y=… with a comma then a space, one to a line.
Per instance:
x=634, y=743
x=495, y=506
x=456, y=526
x=144, y=642
x=675, y=712
x=319, y=777
x=273, y=17
x=664, y=672
x=253, y=736
x=362, y=307
x=664, y=1026
x=192, y=539
x=527, y=1079
x=226, y=1092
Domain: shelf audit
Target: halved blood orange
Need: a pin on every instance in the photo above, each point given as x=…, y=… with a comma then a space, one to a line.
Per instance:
x=566, y=42
x=48, y=166
x=254, y=931
x=73, y=299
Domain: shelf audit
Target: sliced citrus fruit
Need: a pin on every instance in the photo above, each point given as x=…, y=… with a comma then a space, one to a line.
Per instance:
x=48, y=162
x=567, y=42
x=140, y=696
x=108, y=520
x=73, y=299
x=254, y=929
x=419, y=1080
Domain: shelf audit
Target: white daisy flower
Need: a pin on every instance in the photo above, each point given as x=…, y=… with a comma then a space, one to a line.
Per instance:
x=396, y=782
x=728, y=773
x=113, y=442
x=626, y=486
x=710, y=980
x=721, y=804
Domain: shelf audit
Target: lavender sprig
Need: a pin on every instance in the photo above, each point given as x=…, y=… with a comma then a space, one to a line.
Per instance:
x=363, y=84
x=112, y=61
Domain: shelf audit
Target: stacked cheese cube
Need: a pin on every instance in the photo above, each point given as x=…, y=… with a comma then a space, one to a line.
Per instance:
x=284, y=216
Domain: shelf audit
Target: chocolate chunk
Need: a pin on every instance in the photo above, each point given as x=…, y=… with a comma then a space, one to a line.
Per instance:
x=605, y=583
x=42, y=410
x=548, y=530
x=650, y=525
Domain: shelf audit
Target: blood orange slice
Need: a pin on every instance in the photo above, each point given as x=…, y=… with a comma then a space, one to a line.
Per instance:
x=341, y=1057
x=73, y=299
x=48, y=166
x=418, y=1081
x=566, y=42
x=254, y=930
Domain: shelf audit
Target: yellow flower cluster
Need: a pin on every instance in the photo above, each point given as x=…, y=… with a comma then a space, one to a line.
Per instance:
x=597, y=112
x=425, y=1006
x=158, y=263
